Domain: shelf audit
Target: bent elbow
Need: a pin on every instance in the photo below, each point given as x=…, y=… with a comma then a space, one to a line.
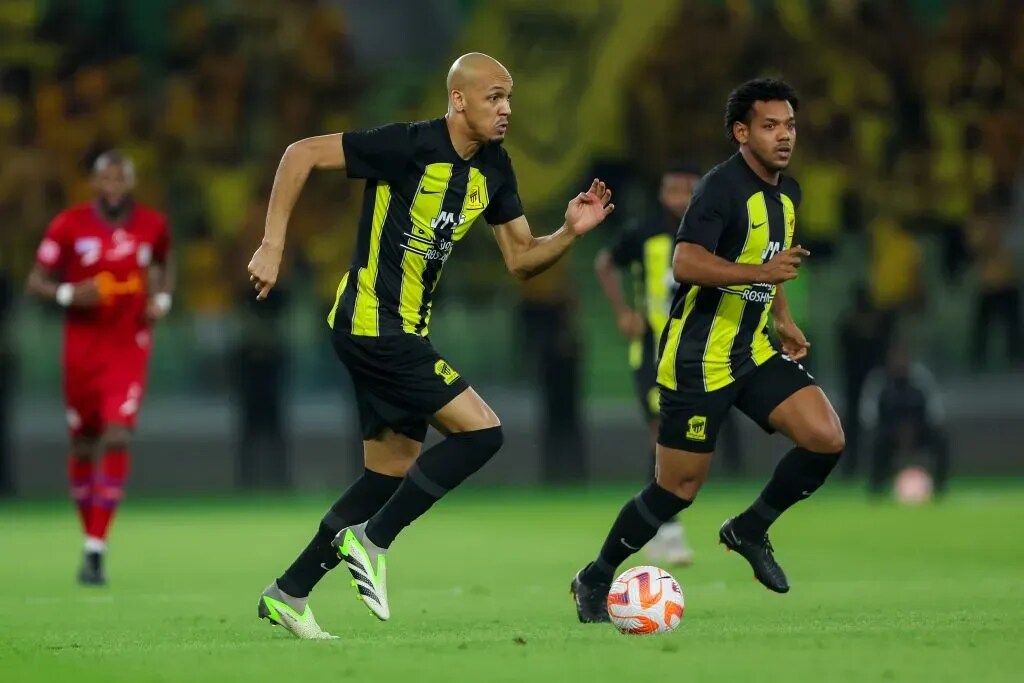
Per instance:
x=681, y=269
x=519, y=273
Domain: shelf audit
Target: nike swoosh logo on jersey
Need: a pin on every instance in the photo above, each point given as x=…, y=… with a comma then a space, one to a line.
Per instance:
x=426, y=191
x=758, y=225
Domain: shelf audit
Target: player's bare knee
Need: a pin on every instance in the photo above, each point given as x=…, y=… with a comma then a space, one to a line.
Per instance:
x=825, y=438
x=685, y=486
x=116, y=438
x=85, y=447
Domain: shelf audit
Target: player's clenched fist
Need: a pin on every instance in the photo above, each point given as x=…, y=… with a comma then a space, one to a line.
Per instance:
x=783, y=266
x=263, y=269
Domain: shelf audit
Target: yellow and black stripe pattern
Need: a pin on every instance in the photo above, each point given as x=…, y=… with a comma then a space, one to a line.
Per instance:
x=406, y=236
x=716, y=335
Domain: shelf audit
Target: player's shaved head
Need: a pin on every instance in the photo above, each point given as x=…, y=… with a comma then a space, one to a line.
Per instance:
x=479, y=98
x=474, y=70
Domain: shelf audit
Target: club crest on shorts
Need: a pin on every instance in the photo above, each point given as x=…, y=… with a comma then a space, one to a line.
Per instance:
x=695, y=428
x=445, y=372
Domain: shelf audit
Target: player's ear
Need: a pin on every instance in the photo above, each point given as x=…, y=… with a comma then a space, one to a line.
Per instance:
x=458, y=100
x=740, y=131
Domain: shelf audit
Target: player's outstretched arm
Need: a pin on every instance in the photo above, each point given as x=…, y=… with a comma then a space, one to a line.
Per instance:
x=324, y=152
x=693, y=264
x=630, y=323
x=44, y=284
x=526, y=256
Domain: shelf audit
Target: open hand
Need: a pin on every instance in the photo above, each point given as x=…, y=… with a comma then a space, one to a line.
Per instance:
x=586, y=211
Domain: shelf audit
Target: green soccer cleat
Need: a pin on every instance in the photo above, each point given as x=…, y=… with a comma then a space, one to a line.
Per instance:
x=274, y=607
x=362, y=557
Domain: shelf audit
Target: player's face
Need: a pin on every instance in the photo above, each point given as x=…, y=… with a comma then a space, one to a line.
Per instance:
x=112, y=185
x=676, y=191
x=489, y=107
x=771, y=133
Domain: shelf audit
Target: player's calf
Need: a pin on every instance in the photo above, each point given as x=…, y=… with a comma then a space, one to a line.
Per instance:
x=439, y=470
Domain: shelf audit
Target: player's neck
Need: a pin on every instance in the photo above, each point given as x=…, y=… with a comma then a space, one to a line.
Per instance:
x=465, y=145
x=759, y=169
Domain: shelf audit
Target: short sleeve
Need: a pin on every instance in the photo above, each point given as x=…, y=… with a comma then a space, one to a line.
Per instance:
x=54, y=248
x=705, y=218
x=628, y=248
x=506, y=205
x=162, y=240
x=379, y=153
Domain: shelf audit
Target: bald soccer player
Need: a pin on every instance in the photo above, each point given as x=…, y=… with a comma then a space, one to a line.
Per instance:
x=426, y=183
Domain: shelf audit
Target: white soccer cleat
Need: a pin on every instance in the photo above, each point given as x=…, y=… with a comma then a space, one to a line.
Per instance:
x=669, y=546
x=274, y=608
x=368, y=569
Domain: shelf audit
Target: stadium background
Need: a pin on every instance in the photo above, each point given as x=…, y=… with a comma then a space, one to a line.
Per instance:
x=909, y=155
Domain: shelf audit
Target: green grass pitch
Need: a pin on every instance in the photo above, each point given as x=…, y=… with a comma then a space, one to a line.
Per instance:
x=479, y=592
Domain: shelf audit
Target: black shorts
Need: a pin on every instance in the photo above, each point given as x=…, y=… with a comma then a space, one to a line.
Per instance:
x=690, y=420
x=645, y=380
x=400, y=381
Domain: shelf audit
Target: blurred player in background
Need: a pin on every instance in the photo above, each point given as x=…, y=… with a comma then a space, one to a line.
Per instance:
x=902, y=405
x=733, y=253
x=645, y=251
x=107, y=264
x=427, y=183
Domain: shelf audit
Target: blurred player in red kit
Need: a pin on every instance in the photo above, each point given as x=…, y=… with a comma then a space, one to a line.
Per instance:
x=107, y=263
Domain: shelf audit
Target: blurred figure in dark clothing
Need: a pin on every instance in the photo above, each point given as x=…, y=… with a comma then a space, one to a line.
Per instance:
x=6, y=382
x=903, y=405
x=864, y=335
x=259, y=380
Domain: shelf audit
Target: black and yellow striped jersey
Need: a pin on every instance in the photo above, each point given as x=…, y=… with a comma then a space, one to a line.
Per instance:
x=420, y=199
x=718, y=334
x=645, y=250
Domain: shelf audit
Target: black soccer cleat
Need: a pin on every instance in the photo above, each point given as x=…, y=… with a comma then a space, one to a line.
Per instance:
x=758, y=552
x=91, y=573
x=591, y=600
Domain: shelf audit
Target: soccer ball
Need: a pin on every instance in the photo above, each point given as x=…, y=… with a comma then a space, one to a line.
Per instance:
x=913, y=486
x=645, y=600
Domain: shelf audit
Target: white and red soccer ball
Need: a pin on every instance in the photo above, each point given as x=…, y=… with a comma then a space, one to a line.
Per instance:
x=645, y=600
x=913, y=486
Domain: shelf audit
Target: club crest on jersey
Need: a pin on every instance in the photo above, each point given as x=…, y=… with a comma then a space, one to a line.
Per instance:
x=696, y=428
x=445, y=372
x=474, y=202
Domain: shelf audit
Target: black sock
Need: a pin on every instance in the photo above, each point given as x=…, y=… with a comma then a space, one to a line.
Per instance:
x=636, y=524
x=799, y=474
x=436, y=472
x=366, y=495
x=674, y=519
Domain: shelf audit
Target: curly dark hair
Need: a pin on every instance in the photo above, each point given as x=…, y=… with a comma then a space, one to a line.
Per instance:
x=740, y=105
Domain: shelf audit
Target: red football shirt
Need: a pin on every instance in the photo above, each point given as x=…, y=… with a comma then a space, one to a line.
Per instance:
x=80, y=245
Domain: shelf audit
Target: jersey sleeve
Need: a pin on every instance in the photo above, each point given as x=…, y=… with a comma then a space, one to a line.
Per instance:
x=379, y=153
x=55, y=247
x=706, y=217
x=506, y=205
x=627, y=249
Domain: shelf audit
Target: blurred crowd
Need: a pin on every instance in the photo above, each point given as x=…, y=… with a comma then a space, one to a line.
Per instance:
x=908, y=147
x=203, y=95
x=910, y=155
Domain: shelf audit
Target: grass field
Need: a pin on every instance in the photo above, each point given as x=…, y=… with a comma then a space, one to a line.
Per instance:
x=479, y=592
